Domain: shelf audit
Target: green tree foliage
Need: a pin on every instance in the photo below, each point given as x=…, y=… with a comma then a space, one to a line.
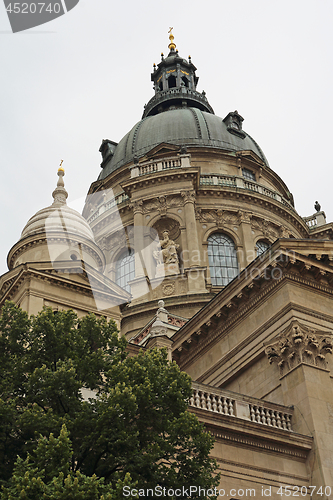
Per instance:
x=136, y=430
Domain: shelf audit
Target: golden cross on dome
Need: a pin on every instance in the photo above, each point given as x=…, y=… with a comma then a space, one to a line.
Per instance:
x=172, y=45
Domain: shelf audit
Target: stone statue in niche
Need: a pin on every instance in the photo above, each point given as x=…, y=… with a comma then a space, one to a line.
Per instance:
x=167, y=261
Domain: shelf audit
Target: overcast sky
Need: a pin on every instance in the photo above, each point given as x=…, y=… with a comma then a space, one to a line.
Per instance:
x=85, y=76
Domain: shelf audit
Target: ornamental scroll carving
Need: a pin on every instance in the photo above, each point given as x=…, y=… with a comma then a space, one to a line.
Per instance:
x=162, y=204
x=299, y=344
x=218, y=217
x=267, y=229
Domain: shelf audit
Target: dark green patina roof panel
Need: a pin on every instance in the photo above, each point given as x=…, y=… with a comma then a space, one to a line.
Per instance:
x=182, y=126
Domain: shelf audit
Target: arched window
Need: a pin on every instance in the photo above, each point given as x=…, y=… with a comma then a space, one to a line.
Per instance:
x=125, y=269
x=172, y=82
x=222, y=257
x=261, y=247
x=185, y=81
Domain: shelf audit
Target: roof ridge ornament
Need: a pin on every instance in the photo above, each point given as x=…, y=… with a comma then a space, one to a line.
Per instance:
x=171, y=45
x=60, y=194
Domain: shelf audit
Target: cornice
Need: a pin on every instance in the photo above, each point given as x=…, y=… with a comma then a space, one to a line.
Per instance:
x=262, y=444
x=32, y=241
x=162, y=177
x=279, y=209
x=240, y=296
x=262, y=470
x=253, y=435
x=27, y=272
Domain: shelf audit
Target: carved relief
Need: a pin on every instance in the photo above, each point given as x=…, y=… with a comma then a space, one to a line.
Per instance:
x=176, y=321
x=162, y=204
x=271, y=231
x=168, y=289
x=283, y=232
x=218, y=217
x=299, y=344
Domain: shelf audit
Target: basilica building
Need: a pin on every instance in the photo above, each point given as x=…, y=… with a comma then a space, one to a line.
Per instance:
x=190, y=241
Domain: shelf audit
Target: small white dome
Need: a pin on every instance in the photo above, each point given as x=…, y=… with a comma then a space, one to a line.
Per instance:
x=58, y=217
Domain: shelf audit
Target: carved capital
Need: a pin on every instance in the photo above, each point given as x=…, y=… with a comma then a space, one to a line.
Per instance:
x=188, y=196
x=283, y=232
x=244, y=217
x=137, y=206
x=299, y=344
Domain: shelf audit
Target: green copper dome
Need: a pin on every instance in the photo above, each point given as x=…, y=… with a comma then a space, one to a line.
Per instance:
x=179, y=115
x=184, y=126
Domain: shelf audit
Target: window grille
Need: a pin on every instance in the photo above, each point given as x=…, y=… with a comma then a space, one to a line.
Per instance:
x=125, y=269
x=222, y=257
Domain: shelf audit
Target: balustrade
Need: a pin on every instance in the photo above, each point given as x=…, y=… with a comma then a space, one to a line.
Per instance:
x=224, y=403
x=117, y=200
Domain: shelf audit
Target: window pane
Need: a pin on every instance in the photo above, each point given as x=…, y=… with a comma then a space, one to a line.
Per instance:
x=262, y=247
x=248, y=174
x=125, y=270
x=222, y=259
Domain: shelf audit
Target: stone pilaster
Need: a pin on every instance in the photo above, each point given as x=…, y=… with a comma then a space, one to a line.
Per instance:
x=191, y=229
x=306, y=383
x=246, y=254
x=138, y=219
x=195, y=273
x=139, y=286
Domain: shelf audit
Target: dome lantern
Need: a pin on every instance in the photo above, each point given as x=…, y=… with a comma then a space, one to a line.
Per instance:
x=175, y=84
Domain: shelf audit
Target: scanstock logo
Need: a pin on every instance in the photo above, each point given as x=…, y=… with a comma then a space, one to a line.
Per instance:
x=26, y=15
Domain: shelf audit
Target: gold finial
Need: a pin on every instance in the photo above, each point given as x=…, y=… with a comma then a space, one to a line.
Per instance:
x=171, y=45
x=61, y=168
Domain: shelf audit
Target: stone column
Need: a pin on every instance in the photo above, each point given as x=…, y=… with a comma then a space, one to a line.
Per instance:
x=194, y=271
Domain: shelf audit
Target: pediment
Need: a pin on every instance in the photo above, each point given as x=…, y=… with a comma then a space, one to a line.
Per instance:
x=163, y=149
x=250, y=155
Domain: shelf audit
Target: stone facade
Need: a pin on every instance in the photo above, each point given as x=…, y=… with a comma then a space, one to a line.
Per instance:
x=252, y=326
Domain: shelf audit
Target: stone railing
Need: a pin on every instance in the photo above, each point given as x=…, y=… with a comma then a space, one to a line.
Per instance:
x=315, y=220
x=243, y=407
x=218, y=180
x=104, y=207
x=241, y=183
x=153, y=167
x=178, y=93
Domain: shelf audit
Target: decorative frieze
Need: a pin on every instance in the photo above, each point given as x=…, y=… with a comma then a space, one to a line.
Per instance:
x=218, y=217
x=162, y=204
x=267, y=228
x=299, y=344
